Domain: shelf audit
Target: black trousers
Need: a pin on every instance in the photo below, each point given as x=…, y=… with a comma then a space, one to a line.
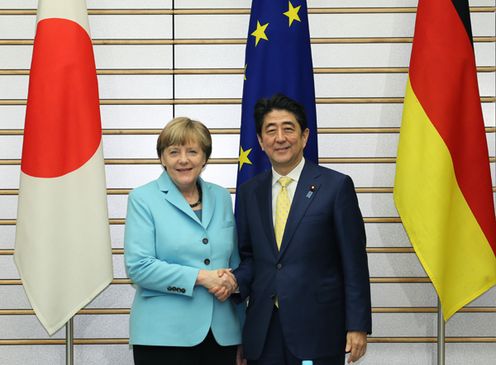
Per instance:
x=275, y=351
x=208, y=352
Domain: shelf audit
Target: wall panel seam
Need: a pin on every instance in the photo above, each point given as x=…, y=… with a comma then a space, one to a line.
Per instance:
x=245, y=11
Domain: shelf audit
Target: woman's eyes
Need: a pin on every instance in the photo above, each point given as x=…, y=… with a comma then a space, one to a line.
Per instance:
x=176, y=152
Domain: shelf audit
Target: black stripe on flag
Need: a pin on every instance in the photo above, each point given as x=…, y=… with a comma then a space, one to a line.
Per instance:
x=463, y=11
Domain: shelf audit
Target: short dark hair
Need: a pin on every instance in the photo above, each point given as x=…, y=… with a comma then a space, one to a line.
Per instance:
x=279, y=102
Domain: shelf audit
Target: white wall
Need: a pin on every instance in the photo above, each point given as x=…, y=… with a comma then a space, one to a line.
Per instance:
x=404, y=332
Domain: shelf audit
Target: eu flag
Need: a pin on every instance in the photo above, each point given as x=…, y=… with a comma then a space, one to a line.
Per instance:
x=278, y=60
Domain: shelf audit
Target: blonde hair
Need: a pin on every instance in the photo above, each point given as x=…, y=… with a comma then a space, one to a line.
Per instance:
x=182, y=130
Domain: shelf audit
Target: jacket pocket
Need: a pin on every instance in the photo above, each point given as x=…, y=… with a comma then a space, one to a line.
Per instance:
x=330, y=293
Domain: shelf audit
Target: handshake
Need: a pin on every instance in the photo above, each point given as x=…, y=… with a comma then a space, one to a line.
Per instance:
x=220, y=283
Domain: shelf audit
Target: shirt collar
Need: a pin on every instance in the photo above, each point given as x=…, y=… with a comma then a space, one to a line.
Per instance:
x=293, y=174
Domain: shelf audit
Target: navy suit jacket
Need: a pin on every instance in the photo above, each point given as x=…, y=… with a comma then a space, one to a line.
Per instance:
x=320, y=276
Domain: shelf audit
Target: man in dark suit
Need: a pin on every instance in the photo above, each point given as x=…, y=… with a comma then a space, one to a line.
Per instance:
x=302, y=245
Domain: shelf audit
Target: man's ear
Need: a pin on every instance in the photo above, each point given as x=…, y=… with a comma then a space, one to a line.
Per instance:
x=260, y=142
x=305, y=135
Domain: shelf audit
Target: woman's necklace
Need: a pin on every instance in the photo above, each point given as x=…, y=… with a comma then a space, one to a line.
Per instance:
x=194, y=205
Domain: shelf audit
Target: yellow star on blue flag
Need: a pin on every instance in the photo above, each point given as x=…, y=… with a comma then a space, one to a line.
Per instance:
x=259, y=33
x=292, y=13
x=243, y=157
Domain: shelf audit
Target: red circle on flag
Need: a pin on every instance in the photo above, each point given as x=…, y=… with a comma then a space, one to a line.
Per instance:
x=63, y=128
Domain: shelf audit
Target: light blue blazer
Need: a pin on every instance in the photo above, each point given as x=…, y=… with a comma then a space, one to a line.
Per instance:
x=165, y=247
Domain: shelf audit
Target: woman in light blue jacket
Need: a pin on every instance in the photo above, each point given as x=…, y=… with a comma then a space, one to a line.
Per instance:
x=180, y=245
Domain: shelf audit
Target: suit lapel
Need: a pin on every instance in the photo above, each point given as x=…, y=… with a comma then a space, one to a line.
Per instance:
x=264, y=199
x=208, y=203
x=308, y=185
x=174, y=196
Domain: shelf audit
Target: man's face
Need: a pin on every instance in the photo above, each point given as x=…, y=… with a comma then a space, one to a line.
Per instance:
x=283, y=140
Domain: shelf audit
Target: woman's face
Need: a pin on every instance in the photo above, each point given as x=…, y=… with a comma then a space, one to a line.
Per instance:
x=184, y=163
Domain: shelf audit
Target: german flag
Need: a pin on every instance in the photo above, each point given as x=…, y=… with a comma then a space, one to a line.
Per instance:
x=443, y=183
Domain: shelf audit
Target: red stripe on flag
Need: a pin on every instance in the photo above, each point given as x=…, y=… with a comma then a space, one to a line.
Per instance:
x=443, y=76
x=62, y=129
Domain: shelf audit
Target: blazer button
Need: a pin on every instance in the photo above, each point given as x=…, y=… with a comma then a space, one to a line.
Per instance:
x=279, y=266
x=205, y=240
x=206, y=261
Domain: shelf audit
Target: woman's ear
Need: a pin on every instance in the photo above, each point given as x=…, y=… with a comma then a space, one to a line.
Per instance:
x=162, y=163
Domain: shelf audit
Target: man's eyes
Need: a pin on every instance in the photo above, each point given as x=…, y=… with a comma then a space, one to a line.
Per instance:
x=285, y=130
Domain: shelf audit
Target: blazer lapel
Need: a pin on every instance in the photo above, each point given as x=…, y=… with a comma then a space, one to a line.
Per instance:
x=307, y=187
x=208, y=204
x=174, y=196
x=264, y=199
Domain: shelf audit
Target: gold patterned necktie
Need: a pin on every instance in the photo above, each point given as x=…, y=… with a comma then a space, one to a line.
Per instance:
x=283, y=204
